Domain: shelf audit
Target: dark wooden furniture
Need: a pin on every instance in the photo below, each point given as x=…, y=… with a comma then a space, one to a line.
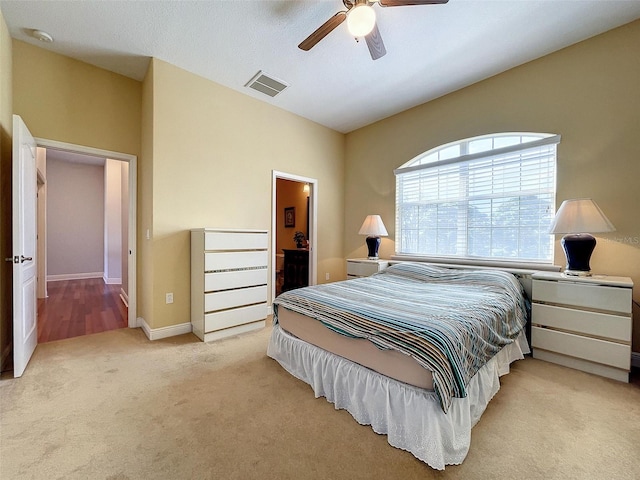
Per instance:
x=296, y=268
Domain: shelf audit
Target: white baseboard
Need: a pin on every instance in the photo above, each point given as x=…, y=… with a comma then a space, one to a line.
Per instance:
x=112, y=281
x=635, y=359
x=163, y=332
x=124, y=297
x=74, y=276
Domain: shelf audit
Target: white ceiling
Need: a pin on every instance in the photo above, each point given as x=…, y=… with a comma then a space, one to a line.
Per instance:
x=431, y=50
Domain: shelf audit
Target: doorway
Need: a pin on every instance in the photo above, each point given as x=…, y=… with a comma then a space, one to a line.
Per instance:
x=101, y=275
x=294, y=214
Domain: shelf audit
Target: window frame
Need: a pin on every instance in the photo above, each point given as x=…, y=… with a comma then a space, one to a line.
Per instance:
x=542, y=139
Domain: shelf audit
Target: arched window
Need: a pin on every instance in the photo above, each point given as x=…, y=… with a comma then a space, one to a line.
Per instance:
x=488, y=197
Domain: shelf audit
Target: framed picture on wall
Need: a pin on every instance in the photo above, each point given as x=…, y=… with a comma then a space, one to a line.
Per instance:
x=290, y=217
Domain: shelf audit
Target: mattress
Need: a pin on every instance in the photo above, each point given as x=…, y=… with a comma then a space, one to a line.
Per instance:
x=449, y=321
x=391, y=363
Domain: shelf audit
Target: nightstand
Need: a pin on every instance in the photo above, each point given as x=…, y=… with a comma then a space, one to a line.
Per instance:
x=363, y=267
x=583, y=322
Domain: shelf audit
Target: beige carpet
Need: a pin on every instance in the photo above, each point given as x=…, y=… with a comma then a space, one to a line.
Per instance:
x=116, y=406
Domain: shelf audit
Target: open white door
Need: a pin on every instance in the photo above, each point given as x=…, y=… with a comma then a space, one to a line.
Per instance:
x=24, y=183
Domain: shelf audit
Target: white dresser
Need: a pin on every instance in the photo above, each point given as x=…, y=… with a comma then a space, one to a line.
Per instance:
x=228, y=281
x=363, y=267
x=583, y=322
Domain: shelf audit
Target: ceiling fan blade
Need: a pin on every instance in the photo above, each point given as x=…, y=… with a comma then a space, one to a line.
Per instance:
x=403, y=3
x=325, y=29
x=375, y=43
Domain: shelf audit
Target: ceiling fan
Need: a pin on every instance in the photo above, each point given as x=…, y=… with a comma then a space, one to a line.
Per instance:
x=361, y=21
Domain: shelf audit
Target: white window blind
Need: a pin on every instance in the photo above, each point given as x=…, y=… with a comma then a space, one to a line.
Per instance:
x=493, y=199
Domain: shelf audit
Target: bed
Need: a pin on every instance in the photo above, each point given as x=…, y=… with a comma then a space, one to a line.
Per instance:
x=415, y=351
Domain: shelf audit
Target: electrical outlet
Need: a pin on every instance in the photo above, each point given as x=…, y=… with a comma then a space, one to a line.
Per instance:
x=169, y=298
x=326, y=276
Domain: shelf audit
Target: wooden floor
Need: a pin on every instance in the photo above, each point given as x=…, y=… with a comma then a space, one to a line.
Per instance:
x=79, y=307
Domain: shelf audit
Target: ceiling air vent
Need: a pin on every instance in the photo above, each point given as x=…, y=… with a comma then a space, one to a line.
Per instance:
x=266, y=84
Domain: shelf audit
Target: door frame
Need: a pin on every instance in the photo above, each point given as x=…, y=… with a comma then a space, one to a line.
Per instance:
x=132, y=223
x=313, y=223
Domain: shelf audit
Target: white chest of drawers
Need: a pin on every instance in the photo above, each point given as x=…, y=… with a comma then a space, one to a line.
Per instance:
x=363, y=267
x=583, y=322
x=228, y=281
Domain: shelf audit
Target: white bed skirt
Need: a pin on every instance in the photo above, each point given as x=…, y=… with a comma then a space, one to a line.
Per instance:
x=411, y=417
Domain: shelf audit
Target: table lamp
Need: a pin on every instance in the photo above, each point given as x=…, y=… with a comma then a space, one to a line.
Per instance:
x=374, y=229
x=574, y=218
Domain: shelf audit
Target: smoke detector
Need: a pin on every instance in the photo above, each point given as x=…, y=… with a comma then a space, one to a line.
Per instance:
x=42, y=36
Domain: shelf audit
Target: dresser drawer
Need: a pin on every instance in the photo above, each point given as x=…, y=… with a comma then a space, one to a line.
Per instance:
x=214, y=281
x=215, y=261
x=591, y=349
x=613, y=299
x=227, y=240
x=234, y=298
x=233, y=317
x=590, y=323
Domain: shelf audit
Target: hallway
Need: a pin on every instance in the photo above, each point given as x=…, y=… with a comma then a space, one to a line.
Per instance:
x=79, y=307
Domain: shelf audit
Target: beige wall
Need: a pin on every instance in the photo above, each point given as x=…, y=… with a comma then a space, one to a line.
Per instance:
x=70, y=101
x=589, y=93
x=6, y=134
x=214, y=150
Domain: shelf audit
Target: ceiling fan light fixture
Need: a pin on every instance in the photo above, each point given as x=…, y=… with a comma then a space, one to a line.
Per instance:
x=361, y=20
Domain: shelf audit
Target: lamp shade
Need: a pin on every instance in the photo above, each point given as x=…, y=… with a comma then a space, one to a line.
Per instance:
x=581, y=215
x=373, y=227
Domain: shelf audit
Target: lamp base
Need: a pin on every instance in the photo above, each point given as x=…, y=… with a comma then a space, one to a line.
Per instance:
x=578, y=248
x=372, y=244
x=577, y=273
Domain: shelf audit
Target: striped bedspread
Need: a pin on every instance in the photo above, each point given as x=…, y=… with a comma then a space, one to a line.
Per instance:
x=451, y=321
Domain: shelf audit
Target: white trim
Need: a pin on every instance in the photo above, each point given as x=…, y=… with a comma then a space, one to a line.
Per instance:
x=313, y=225
x=112, y=281
x=635, y=359
x=552, y=140
x=124, y=297
x=97, y=152
x=163, y=332
x=133, y=203
x=74, y=276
